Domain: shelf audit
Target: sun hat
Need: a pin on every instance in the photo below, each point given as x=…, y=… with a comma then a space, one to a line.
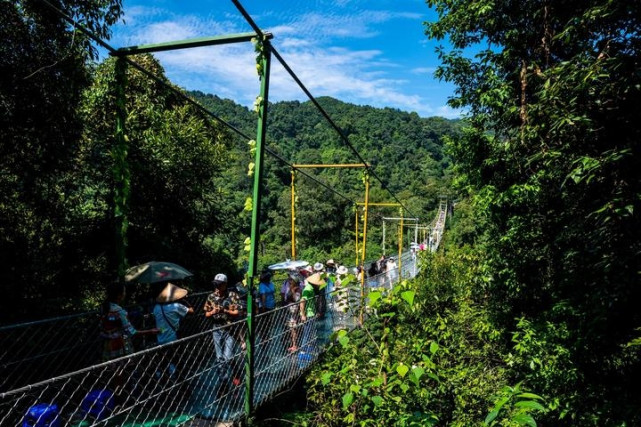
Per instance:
x=171, y=293
x=341, y=270
x=330, y=262
x=319, y=266
x=316, y=279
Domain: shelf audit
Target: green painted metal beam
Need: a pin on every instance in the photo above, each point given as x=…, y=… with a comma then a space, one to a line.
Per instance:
x=259, y=156
x=186, y=44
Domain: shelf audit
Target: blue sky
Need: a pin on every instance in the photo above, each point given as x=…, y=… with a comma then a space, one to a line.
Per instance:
x=366, y=52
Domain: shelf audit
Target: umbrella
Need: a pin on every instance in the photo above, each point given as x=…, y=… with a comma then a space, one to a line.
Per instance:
x=156, y=271
x=286, y=265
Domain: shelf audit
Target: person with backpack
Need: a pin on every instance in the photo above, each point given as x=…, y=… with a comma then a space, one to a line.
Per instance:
x=168, y=312
x=116, y=329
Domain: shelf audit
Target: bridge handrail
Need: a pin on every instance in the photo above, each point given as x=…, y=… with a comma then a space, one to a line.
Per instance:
x=146, y=386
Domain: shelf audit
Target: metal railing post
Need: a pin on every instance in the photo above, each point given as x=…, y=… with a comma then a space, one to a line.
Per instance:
x=293, y=215
x=255, y=225
x=364, y=246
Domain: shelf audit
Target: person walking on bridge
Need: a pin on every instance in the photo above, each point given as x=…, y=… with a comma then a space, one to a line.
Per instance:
x=308, y=311
x=219, y=308
x=116, y=329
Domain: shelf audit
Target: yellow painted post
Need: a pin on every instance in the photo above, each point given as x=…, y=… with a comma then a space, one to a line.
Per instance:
x=293, y=217
x=356, y=233
x=364, y=245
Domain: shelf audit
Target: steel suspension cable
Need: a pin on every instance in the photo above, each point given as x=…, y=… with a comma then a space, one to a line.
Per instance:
x=114, y=52
x=255, y=27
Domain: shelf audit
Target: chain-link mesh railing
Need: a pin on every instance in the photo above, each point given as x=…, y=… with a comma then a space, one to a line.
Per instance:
x=34, y=351
x=436, y=233
x=200, y=376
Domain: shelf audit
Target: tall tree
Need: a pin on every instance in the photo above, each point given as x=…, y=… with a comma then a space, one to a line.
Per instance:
x=43, y=63
x=552, y=156
x=176, y=157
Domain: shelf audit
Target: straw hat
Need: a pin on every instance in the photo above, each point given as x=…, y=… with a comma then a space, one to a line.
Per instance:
x=330, y=262
x=341, y=270
x=316, y=279
x=171, y=293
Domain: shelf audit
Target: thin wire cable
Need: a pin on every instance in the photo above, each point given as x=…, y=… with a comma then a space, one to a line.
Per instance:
x=115, y=52
x=251, y=22
x=336, y=128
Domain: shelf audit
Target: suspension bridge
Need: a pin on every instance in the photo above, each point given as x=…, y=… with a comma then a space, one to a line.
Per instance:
x=49, y=375
x=50, y=370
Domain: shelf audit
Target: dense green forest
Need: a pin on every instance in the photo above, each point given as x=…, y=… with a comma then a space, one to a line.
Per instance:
x=529, y=312
x=182, y=180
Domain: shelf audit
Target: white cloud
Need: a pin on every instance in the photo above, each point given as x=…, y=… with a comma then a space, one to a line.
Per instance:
x=448, y=112
x=322, y=26
x=305, y=42
x=423, y=70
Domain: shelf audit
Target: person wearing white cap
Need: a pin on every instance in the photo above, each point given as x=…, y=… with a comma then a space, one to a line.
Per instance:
x=218, y=308
x=168, y=312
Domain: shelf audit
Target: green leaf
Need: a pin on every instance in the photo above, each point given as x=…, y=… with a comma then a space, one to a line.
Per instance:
x=374, y=296
x=408, y=296
x=418, y=372
x=249, y=205
x=348, y=398
x=343, y=340
x=433, y=347
x=530, y=396
x=524, y=420
x=530, y=404
x=378, y=400
x=326, y=378
x=433, y=376
x=490, y=417
x=402, y=370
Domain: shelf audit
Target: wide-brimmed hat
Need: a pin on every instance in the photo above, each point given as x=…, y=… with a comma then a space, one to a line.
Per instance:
x=319, y=266
x=330, y=262
x=171, y=293
x=341, y=270
x=316, y=279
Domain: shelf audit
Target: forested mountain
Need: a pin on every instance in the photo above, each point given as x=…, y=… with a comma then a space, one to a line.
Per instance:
x=405, y=150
